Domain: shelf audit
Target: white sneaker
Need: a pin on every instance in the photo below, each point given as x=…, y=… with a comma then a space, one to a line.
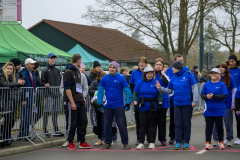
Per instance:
x=215, y=143
x=65, y=144
x=140, y=146
x=229, y=143
x=151, y=146
x=99, y=142
x=225, y=141
x=237, y=141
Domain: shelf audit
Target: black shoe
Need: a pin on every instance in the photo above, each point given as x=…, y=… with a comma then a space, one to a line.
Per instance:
x=47, y=135
x=137, y=143
x=171, y=141
x=107, y=146
x=58, y=134
x=126, y=146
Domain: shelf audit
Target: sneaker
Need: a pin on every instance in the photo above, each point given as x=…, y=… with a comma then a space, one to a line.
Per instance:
x=229, y=143
x=225, y=141
x=107, y=146
x=47, y=135
x=177, y=146
x=140, y=146
x=186, y=146
x=237, y=141
x=163, y=143
x=85, y=145
x=208, y=146
x=138, y=142
x=99, y=142
x=71, y=146
x=215, y=143
x=221, y=145
x=171, y=141
x=65, y=144
x=126, y=146
x=58, y=134
x=151, y=146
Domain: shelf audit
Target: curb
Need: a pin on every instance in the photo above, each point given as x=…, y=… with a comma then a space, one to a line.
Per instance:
x=56, y=143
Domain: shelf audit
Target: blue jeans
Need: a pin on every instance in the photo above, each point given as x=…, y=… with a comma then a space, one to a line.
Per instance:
x=228, y=120
x=25, y=120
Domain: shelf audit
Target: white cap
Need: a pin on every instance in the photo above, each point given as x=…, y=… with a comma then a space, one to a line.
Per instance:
x=29, y=60
x=215, y=70
x=148, y=69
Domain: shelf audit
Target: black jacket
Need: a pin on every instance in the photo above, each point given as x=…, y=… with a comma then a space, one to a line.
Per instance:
x=51, y=75
x=8, y=97
x=93, y=87
x=89, y=80
x=93, y=76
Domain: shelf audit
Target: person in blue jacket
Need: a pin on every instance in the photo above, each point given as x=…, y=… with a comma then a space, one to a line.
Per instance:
x=214, y=93
x=162, y=115
x=169, y=72
x=183, y=84
x=149, y=102
x=28, y=103
x=229, y=103
x=235, y=73
x=114, y=84
x=135, y=78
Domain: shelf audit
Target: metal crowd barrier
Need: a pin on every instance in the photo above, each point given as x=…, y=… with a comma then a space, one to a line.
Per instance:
x=200, y=104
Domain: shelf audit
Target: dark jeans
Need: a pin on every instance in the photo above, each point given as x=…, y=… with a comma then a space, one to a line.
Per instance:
x=209, y=127
x=148, y=123
x=6, y=128
x=75, y=118
x=137, y=123
x=54, y=120
x=238, y=125
x=172, y=123
x=162, y=124
x=183, y=116
x=121, y=123
x=25, y=120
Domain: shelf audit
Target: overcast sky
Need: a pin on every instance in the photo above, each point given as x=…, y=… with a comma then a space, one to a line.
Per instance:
x=60, y=10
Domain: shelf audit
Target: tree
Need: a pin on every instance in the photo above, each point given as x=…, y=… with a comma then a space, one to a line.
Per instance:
x=167, y=22
x=225, y=24
x=136, y=35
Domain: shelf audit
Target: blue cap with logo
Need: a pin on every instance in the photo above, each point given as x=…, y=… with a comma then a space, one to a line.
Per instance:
x=51, y=55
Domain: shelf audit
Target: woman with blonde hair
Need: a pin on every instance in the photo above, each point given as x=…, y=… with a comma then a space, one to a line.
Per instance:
x=7, y=79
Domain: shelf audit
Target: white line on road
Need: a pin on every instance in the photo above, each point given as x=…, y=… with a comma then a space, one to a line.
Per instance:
x=202, y=151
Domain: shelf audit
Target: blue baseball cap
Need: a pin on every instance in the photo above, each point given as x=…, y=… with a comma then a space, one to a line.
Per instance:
x=51, y=55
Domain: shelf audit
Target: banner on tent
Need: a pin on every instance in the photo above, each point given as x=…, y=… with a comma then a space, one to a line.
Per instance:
x=11, y=10
x=43, y=59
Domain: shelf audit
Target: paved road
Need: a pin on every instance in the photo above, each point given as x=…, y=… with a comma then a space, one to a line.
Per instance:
x=117, y=153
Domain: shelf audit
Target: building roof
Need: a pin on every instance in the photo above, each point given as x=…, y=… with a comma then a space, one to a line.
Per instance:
x=109, y=42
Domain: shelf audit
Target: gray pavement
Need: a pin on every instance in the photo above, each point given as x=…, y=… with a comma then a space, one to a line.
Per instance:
x=167, y=153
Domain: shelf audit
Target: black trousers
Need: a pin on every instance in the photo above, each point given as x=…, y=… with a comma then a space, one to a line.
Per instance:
x=54, y=120
x=148, y=123
x=162, y=124
x=209, y=127
x=136, y=110
x=238, y=125
x=79, y=117
x=172, y=123
x=6, y=128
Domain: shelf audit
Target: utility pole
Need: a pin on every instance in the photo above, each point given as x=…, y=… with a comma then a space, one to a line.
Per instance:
x=201, y=42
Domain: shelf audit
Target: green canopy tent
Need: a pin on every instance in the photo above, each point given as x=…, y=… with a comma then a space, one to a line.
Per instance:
x=17, y=42
x=87, y=58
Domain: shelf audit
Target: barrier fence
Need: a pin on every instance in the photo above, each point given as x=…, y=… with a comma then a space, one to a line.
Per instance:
x=26, y=113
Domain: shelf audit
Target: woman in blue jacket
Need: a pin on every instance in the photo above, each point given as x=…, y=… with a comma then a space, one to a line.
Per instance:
x=214, y=93
x=163, y=80
x=182, y=83
x=150, y=100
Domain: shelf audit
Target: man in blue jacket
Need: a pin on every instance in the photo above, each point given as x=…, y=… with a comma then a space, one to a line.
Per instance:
x=169, y=73
x=29, y=96
x=114, y=84
x=182, y=83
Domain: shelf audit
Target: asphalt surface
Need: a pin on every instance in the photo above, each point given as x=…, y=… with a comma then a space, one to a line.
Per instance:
x=196, y=150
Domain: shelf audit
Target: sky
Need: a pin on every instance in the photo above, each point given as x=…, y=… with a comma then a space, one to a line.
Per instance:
x=33, y=11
